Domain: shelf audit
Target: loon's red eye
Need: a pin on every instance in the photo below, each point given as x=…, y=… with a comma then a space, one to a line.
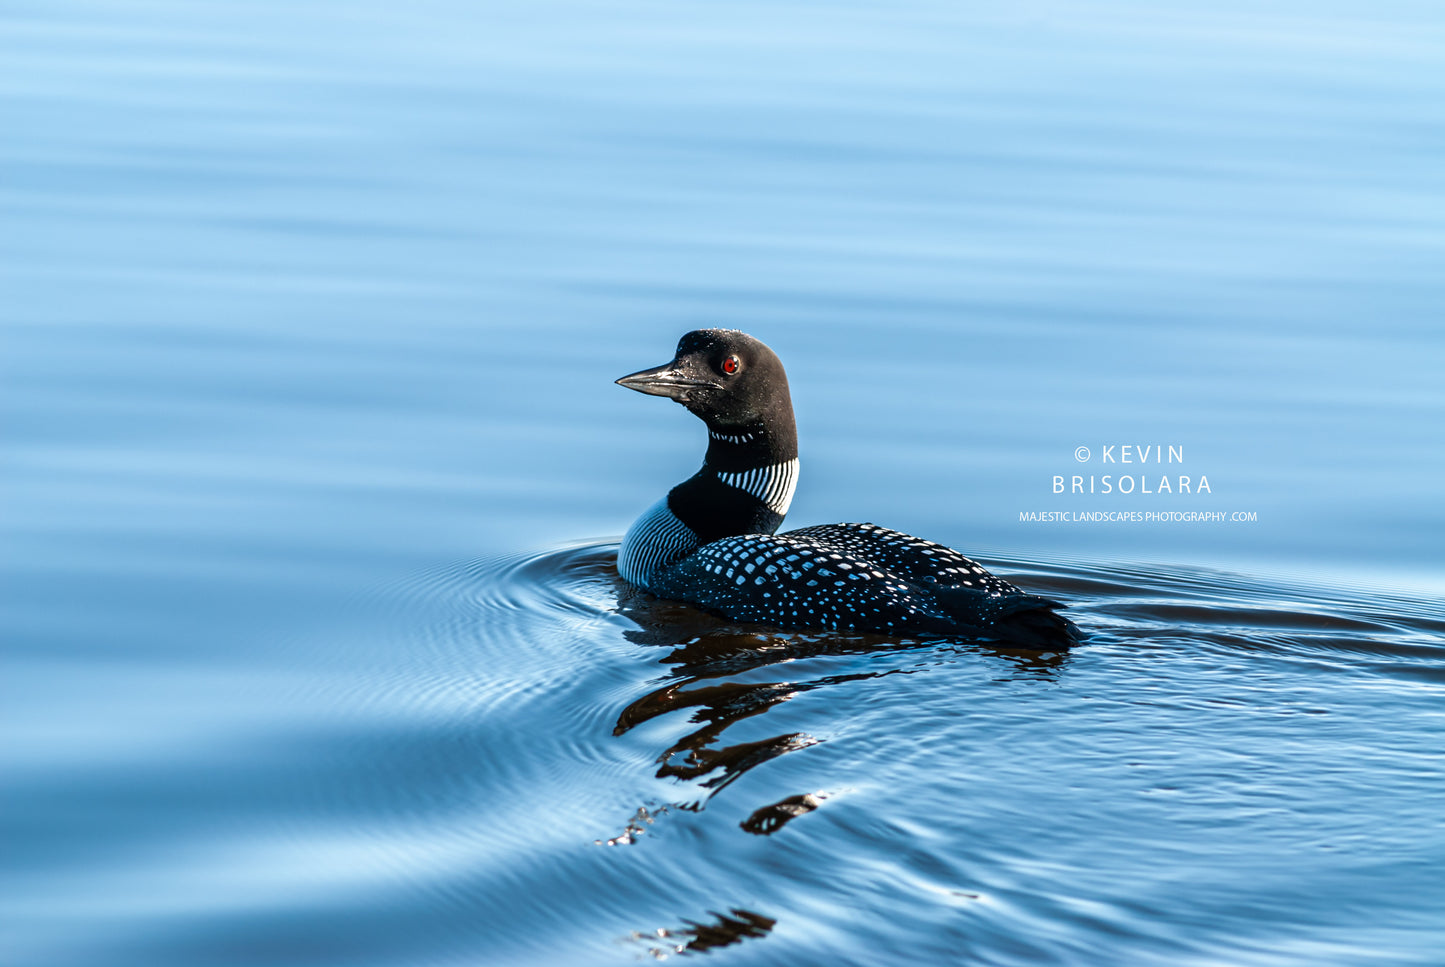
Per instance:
x=731, y=365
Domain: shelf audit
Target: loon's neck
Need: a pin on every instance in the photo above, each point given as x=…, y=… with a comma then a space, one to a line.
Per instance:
x=745, y=486
x=740, y=449
x=746, y=483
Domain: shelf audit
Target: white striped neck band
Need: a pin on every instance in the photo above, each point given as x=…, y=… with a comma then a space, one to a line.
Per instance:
x=773, y=485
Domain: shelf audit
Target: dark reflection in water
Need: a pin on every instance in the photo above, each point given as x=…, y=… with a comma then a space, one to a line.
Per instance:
x=708, y=655
x=766, y=820
x=724, y=930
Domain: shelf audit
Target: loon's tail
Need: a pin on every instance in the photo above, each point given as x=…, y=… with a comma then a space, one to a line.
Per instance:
x=1034, y=622
x=1026, y=620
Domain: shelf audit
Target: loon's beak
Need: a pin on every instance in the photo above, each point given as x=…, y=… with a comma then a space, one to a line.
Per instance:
x=670, y=379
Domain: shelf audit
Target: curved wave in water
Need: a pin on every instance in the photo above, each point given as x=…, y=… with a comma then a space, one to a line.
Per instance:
x=595, y=767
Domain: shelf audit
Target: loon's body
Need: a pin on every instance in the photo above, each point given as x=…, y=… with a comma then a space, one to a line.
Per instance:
x=711, y=541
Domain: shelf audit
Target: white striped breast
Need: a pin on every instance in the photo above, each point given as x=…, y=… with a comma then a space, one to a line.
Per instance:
x=773, y=485
x=654, y=541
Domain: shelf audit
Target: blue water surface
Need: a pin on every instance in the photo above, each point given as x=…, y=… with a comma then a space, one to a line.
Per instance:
x=311, y=471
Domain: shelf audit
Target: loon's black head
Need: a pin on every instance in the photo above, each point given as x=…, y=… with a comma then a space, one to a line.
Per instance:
x=738, y=387
x=727, y=378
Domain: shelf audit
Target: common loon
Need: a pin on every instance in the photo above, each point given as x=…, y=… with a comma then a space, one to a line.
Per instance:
x=710, y=541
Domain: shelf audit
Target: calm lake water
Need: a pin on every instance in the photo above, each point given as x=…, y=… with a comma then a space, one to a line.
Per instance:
x=312, y=472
